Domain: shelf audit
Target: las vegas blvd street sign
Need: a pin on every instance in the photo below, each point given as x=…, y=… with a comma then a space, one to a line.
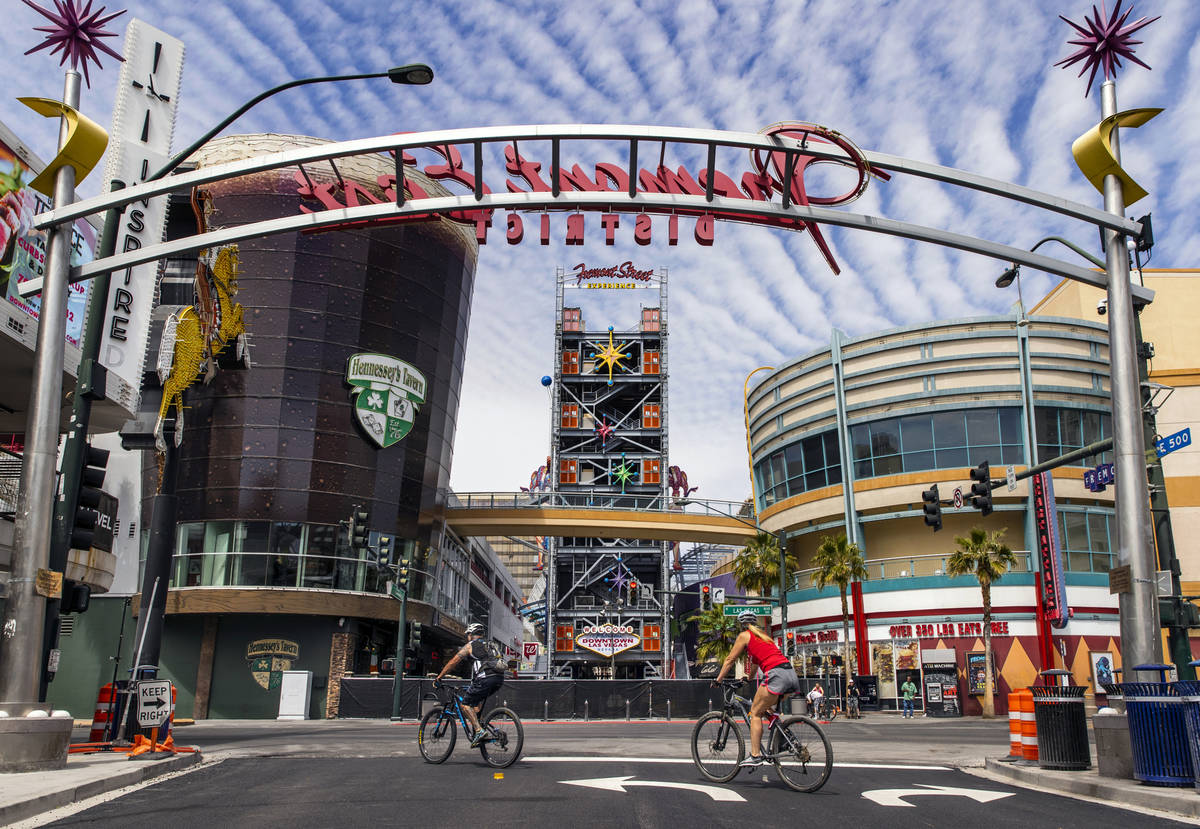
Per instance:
x=758, y=609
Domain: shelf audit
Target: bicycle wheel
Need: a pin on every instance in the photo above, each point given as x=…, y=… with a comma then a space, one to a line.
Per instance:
x=717, y=747
x=503, y=748
x=436, y=735
x=801, y=752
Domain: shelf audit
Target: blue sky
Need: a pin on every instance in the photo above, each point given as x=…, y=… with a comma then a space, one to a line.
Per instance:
x=968, y=84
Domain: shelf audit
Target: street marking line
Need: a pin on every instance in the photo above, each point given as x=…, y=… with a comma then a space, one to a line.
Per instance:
x=895, y=797
x=619, y=784
x=689, y=761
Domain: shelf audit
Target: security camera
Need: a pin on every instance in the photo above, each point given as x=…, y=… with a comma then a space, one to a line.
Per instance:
x=1102, y=307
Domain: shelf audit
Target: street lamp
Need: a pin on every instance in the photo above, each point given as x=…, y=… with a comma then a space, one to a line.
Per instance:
x=163, y=511
x=1159, y=508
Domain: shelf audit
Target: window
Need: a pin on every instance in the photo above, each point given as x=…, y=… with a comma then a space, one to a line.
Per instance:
x=1061, y=430
x=564, y=638
x=650, y=321
x=572, y=319
x=652, y=471
x=570, y=362
x=568, y=471
x=570, y=416
x=651, y=638
x=650, y=362
x=1085, y=541
x=651, y=417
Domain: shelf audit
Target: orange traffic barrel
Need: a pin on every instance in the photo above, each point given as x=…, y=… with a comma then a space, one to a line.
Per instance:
x=1029, y=743
x=1014, y=727
x=104, y=703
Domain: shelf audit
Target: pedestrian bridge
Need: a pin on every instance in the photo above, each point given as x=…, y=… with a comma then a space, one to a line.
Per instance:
x=606, y=515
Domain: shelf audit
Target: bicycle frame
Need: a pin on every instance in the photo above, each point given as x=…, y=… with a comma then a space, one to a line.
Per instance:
x=453, y=705
x=735, y=703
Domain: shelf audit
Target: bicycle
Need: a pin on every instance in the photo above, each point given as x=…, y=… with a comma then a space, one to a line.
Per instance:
x=438, y=732
x=828, y=709
x=799, y=748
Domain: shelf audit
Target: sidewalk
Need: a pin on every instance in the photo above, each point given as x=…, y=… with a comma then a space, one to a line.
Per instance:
x=86, y=775
x=1177, y=801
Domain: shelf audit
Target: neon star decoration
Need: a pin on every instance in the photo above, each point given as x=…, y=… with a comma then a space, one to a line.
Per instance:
x=604, y=432
x=611, y=355
x=624, y=473
x=1104, y=41
x=76, y=33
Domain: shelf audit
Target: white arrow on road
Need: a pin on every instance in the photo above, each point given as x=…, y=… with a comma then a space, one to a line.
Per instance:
x=895, y=797
x=619, y=784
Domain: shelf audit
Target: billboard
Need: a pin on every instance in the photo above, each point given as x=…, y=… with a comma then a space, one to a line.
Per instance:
x=23, y=255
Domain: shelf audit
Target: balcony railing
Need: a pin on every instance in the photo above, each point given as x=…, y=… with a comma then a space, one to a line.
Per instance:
x=908, y=567
x=596, y=501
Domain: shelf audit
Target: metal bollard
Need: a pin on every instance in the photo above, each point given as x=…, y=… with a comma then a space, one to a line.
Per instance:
x=585, y=711
x=545, y=710
x=626, y=710
x=668, y=710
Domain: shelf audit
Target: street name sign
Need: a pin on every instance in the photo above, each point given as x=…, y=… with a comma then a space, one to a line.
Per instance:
x=758, y=609
x=154, y=702
x=1167, y=445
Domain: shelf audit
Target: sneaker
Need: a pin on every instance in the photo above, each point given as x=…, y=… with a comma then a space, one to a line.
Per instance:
x=479, y=737
x=751, y=762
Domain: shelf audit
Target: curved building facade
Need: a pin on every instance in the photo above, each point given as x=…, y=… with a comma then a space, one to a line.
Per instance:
x=845, y=439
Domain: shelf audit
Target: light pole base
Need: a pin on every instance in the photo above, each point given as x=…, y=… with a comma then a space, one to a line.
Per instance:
x=34, y=743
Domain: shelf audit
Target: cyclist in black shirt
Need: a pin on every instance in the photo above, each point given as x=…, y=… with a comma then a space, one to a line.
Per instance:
x=484, y=682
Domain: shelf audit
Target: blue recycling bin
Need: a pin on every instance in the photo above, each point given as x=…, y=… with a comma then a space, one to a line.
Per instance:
x=1157, y=730
x=1189, y=693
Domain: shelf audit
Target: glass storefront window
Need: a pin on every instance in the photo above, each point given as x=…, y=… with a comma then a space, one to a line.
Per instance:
x=283, y=564
x=320, y=555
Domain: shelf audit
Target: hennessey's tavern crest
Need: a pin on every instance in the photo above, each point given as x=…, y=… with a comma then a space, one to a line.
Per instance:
x=386, y=393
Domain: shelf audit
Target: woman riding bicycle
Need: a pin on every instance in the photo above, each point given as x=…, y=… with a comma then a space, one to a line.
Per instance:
x=781, y=677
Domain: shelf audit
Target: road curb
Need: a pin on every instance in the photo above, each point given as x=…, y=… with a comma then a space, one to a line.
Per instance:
x=127, y=773
x=1181, y=801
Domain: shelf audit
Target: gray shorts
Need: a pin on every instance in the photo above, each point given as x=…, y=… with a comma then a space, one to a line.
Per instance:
x=783, y=680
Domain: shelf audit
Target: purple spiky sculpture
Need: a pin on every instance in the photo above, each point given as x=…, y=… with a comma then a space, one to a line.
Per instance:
x=1104, y=41
x=76, y=33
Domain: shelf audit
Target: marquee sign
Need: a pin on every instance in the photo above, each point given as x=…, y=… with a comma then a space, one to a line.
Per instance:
x=386, y=394
x=608, y=639
x=624, y=275
x=771, y=172
x=1045, y=519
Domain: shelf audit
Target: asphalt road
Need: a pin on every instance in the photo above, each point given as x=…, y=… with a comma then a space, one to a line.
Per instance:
x=586, y=792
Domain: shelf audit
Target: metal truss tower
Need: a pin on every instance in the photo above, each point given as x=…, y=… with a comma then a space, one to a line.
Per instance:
x=609, y=447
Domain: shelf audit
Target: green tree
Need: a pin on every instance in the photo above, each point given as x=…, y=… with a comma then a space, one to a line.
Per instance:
x=985, y=556
x=837, y=561
x=717, y=632
x=756, y=568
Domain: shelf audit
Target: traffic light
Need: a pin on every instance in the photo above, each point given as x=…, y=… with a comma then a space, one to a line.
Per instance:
x=360, y=531
x=386, y=545
x=932, y=508
x=981, y=489
x=633, y=592
x=75, y=597
x=402, y=574
x=706, y=602
x=91, y=477
x=791, y=644
x=414, y=639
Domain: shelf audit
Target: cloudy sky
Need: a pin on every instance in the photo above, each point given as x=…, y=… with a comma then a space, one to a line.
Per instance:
x=964, y=83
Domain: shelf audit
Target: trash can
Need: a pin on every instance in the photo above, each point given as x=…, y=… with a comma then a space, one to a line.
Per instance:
x=799, y=705
x=1157, y=731
x=1062, y=732
x=1189, y=694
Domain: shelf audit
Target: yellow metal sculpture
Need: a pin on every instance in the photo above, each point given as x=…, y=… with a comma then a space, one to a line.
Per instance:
x=193, y=338
x=82, y=150
x=1093, y=152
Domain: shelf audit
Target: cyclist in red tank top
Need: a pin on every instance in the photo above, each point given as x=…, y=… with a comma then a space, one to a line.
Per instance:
x=781, y=678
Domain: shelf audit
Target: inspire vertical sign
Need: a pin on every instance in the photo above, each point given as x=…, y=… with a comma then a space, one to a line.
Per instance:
x=139, y=145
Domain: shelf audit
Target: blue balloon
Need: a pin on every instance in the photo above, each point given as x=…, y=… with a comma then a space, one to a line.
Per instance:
x=547, y=380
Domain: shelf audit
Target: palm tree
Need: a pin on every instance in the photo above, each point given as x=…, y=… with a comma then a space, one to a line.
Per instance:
x=756, y=568
x=717, y=632
x=836, y=561
x=985, y=556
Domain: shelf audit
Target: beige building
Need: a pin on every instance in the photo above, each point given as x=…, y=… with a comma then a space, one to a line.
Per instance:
x=845, y=439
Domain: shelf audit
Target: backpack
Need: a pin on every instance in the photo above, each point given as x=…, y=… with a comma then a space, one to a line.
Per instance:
x=489, y=658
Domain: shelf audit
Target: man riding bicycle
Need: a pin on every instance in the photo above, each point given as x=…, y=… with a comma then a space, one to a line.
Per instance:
x=781, y=678
x=484, y=680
